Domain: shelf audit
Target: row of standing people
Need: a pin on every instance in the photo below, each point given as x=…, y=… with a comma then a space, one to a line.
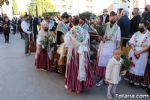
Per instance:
x=76, y=37
x=8, y=26
x=79, y=74
x=29, y=27
x=138, y=75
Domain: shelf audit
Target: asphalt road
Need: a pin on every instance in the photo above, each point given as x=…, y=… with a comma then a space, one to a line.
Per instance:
x=20, y=80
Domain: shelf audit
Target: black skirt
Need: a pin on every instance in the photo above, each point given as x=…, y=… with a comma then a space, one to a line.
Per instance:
x=60, y=38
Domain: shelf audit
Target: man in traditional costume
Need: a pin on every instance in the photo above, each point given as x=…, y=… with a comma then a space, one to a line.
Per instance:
x=111, y=41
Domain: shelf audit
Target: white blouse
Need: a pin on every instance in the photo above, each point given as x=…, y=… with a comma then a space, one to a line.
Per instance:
x=41, y=36
x=139, y=39
x=62, y=27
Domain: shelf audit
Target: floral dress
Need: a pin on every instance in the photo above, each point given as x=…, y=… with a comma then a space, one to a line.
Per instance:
x=137, y=69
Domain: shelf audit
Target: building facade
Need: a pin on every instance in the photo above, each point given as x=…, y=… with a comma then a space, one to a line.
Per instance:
x=139, y=4
x=96, y=6
x=73, y=6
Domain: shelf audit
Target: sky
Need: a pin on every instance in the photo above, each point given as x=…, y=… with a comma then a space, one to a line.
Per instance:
x=22, y=5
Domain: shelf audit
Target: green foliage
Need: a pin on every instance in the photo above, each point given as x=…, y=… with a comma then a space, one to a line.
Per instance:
x=14, y=7
x=48, y=42
x=45, y=43
x=48, y=6
x=86, y=14
x=40, y=7
x=51, y=13
x=127, y=63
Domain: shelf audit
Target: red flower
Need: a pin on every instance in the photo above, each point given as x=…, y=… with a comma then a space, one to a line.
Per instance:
x=130, y=58
x=133, y=65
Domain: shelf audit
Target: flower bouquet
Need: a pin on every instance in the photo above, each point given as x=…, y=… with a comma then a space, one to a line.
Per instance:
x=126, y=65
x=47, y=43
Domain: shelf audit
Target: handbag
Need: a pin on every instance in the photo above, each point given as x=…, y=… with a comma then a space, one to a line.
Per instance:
x=5, y=26
x=32, y=46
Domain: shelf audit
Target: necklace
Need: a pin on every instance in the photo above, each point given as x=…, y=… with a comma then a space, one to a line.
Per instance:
x=110, y=31
x=143, y=41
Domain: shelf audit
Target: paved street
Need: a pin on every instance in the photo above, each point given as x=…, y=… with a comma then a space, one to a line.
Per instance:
x=19, y=79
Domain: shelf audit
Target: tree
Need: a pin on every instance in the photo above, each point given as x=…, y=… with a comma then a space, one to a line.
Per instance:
x=14, y=7
x=86, y=14
x=41, y=6
x=51, y=13
x=48, y=6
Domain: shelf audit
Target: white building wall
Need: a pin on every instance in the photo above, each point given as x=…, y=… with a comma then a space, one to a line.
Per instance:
x=138, y=4
x=99, y=5
x=79, y=6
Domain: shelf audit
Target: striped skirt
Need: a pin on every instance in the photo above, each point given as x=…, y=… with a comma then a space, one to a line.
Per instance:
x=99, y=70
x=43, y=61
x=71, y=80
x=134, y=78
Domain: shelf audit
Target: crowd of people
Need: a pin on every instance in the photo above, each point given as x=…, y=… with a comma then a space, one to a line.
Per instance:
x=64, y=45
x=69, y=50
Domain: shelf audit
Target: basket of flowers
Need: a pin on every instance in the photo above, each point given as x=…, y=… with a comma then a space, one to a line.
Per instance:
x=126, y=65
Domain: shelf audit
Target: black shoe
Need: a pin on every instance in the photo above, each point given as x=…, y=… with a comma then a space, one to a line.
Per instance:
x=27, y=54
x=131, y=83
x=143, y=87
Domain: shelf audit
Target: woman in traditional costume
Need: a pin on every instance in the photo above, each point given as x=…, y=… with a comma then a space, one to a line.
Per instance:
x=84, y=24
x=61, y=30
x=79, y=74
x=42, y=58
x=111, y=41
x=139, y=43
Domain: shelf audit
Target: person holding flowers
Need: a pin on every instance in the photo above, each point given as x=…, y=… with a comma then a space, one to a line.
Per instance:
x=43, y=47
x=111, y=41
x=139, y=43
